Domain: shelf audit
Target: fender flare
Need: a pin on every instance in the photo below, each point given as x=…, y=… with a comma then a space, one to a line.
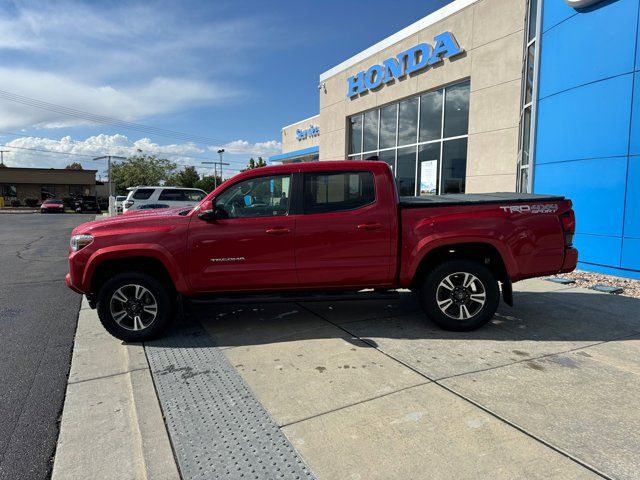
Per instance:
x=145, y=250
x=428, y=245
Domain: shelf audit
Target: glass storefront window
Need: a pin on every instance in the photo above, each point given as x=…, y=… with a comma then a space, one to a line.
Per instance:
x=431, y=116
x=370, y=141
x=526, y=136
x=410, y=135
x=531, y=54
x=454, y=165
x=406, y=173
x=355, y=134
x=388, y=156
x=388, y=126
x=533, y=17
x=428, y=168
x=408, y=122
x=456, y=110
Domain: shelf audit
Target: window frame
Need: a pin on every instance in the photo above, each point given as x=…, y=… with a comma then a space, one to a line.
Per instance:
x=290, y=198
x=301, y=183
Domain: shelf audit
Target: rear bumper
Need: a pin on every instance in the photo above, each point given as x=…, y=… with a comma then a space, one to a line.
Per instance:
x=570, y=260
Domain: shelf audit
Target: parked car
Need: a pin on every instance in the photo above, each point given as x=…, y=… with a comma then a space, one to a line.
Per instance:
x=118, y=203
x=87, y=203
x=171, y=196
x=52, y=205
x=320, y=226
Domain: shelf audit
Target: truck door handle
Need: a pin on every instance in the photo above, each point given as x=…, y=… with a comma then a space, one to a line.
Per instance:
x=277, y=231
x=370, y=226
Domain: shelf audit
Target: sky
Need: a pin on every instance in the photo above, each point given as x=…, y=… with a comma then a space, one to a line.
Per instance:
x=183, y=78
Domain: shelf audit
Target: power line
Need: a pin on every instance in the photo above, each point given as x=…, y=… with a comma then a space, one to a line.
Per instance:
x=41, y=151
x=102, y=119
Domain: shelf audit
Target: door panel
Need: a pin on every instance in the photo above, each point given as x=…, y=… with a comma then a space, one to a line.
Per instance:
x=348, y=247
x=250, y=247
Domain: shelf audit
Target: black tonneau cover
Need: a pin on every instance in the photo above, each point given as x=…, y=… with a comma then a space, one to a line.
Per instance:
x=475, y=199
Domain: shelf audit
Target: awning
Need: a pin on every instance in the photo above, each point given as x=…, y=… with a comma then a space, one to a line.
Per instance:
x=294, y=154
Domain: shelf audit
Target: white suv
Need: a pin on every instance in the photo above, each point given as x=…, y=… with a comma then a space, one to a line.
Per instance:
x=161, y=197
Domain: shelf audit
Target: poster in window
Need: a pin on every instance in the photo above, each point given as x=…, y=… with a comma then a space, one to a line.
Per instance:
x=428, y=177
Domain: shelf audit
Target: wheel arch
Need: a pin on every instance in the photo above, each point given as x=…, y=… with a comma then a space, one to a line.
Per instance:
x=482, y=252
x=143, y=264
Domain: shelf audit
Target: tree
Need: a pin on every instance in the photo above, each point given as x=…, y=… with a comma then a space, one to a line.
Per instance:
x=186, y=178
x=141, y=169
x=253, y=164
x=73, y=166
x=208, y=183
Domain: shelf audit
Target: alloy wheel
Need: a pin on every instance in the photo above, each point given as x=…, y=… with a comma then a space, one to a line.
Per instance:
x=133, y=307
x=461, y=295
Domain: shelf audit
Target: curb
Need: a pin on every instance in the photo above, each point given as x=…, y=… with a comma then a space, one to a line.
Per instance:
x=112, y=424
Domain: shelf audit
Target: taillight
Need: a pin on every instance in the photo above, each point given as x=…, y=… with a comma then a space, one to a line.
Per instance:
x=127, y=203
x=568, y=220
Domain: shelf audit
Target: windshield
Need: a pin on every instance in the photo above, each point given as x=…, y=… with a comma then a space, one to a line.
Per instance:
x=52, y=202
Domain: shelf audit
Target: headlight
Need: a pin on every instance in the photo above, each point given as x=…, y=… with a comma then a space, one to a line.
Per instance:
x=80, y=241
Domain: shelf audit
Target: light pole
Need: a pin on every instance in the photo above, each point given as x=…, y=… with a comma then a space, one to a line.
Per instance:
x=109, y=157
x=220, y=152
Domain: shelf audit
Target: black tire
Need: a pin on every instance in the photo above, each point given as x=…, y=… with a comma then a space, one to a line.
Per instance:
x=465, y=312
x=134, y=328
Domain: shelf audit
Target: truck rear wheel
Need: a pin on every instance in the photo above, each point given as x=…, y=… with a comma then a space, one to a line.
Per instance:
x=460, y=295
x=134, y=307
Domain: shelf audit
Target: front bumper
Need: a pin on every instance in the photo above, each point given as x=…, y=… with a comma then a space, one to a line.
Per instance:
x=67, y=280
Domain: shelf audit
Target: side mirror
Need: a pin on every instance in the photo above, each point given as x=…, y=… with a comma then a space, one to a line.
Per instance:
x=207, y=212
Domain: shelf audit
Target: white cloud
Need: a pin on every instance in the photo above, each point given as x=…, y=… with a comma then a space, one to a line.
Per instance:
x=261, y=149
x=158, y=96
x=32, y=151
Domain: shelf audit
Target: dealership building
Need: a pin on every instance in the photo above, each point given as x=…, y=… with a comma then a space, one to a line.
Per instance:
x=480, y=96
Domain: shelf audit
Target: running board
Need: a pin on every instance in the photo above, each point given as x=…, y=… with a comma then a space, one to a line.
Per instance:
x=294, y=297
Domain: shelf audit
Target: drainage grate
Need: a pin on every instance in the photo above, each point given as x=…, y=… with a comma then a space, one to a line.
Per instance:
x=218, y=428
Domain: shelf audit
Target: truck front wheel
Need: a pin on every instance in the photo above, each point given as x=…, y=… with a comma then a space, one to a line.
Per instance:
x=460, y=295
x=134, y=306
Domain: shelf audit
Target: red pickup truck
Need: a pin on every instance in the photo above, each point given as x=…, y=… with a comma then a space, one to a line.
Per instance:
x=320, y=227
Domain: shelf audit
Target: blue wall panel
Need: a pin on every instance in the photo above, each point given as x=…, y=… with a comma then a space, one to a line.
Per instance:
x=632, y=210
x=596, y=188
x=585, y=122
x=631, y=253
x=570, y=62
x=554, y=12
x=597, y=249
x=634, y=144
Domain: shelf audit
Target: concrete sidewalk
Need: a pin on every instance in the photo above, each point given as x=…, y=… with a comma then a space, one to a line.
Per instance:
x=112, y=425
x=372, y=390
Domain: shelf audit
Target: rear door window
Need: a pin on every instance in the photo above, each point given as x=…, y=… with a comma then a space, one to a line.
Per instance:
x=143, y=193
x=172, y=195
x=180, y=195
x=334, y=192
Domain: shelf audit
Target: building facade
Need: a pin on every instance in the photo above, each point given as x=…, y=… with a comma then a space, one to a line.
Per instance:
x=501, y=95
x=42, y=183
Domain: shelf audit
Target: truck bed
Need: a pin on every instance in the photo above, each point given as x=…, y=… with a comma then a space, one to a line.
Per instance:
x=474, y=199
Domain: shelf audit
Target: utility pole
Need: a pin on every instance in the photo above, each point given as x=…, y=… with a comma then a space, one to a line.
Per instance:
x=109, y=158
x=215, y=178
x=2, y=152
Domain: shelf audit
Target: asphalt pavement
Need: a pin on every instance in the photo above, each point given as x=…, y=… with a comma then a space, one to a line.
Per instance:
x=38, y=317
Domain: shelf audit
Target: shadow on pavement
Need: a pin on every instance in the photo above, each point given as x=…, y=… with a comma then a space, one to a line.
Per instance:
x=563, y=316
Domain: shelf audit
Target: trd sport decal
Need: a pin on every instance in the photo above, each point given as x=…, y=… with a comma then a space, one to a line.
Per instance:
x=545, y=208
